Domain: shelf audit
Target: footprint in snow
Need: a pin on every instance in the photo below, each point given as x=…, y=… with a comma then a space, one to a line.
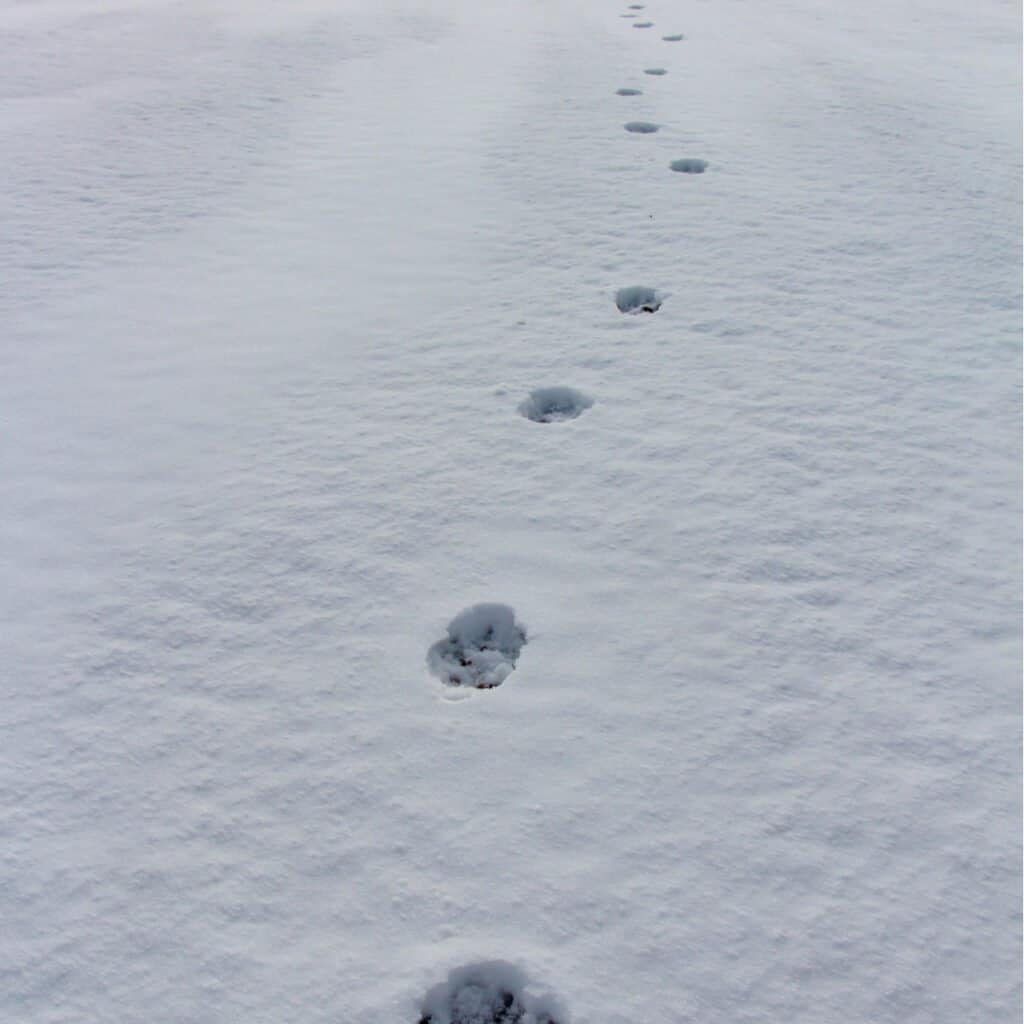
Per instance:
x=492, y=993
x=481, y=648
x=629, y=92
x=689, y=166
x=639, y=298
x=636, y=7
x=655, y=71
x=641, y=127
x=643, y=24
x=674, y=39
x=554, y=405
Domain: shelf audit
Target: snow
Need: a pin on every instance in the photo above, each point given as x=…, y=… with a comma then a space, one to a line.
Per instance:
x=277, y=280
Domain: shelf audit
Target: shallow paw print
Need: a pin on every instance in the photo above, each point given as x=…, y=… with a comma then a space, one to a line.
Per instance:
x=555, y=404
x=481, y=649
x=689, y=165
x=494, y=993
x=638, y=298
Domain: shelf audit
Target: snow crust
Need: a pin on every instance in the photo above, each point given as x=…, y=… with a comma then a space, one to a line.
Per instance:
x=275, y=277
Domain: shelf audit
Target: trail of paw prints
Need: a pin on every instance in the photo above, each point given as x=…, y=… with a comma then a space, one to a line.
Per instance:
x=481, y=648
x=488, y=993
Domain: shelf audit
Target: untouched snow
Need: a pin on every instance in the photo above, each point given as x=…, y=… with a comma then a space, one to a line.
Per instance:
x=276, y=281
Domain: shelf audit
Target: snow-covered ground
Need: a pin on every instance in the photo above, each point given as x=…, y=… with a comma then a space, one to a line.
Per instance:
x=278, y=281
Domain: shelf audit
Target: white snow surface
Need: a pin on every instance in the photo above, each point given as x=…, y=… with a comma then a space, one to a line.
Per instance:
x=275, y=277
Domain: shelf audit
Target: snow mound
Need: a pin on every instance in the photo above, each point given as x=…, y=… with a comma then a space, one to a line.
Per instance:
x=552, y=405
x=639, y=298
x=481, y=648
x=491, y=993
x=641, y=127
x=689, y=166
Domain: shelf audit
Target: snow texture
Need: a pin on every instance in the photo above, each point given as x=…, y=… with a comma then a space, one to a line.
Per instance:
x=275, y=277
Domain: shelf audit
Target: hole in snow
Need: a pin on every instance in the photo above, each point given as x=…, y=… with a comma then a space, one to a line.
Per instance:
x=689, y=166
x=552, y=405
x=640, y=127
x=636, y=7
x=628, y=92
x=639, y=299
x=655, y=71
x=642, y=24
x=491, y=993
x=673, y=39
x=481, y=648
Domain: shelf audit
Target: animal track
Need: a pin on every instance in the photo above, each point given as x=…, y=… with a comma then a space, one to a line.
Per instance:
x=629, y=92
x=643, y=24
x=641, y=127
x=655, y=71
x=553, y=405
x=636, y=7
x=639, y=299
x=674, y=39
x=689, y=166
x=492, y=993
x=481, y=648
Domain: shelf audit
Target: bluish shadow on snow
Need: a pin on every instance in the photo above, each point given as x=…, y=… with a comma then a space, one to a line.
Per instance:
x=641, y=127
x=673, y=39
x=638, y=298
x=481, y=648
x=488, y=993
x=655, y=71
x=629, y=92
x=552, y=405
